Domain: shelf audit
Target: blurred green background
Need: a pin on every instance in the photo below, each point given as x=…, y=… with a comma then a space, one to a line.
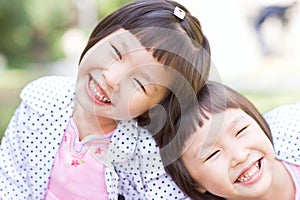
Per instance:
x=31, y=30
x=33, y=44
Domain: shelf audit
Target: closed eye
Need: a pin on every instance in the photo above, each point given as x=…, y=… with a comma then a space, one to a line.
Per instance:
x=117, y=52
x=140, y=84
x=212, y=155
x=241, y=131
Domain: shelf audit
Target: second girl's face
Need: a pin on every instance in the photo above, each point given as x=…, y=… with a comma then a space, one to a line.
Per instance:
x=231, y=155
x=119, y=79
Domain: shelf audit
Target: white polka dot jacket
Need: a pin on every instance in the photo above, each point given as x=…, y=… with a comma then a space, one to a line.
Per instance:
x=33, y=136
x=284, y=123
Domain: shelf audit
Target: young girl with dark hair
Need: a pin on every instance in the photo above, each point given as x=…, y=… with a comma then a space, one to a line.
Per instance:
x=227, y=151
x=91, y=137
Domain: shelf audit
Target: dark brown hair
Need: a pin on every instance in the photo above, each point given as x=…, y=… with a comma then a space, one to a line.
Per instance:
x=176, y=43
x=212, y=99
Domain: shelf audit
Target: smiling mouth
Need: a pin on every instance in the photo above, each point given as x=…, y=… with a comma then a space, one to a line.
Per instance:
x=97, y=92
x=249, y=174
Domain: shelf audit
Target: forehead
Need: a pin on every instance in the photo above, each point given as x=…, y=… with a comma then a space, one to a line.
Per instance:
x=123, y=37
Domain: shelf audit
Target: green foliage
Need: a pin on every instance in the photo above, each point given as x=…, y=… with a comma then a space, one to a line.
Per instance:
x=14, y=31
x=266, y=100
x=29, y=28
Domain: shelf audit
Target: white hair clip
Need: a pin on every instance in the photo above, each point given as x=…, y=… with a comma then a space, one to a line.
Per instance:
x=178, y=12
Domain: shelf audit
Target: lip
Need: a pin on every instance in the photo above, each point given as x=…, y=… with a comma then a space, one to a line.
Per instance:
x=104, y=100
x=254, y=178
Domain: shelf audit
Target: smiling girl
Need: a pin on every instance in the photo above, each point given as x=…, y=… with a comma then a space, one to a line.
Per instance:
x=228, y=153
x=71, y=139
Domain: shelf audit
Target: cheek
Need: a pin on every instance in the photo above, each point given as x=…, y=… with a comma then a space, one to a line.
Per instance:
x=87, y=60
x=261, y=141
x=132, y=105
x=96, y=58
x=267, y=147
x=207, y=174
x=195, y=170
x=214, y=179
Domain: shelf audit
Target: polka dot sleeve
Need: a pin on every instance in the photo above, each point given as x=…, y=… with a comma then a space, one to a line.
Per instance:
x=284, y=123
x=33, y=136
x=135, y=158
x=13, y=177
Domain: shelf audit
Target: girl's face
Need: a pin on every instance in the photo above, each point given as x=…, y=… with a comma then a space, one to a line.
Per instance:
x=119, y=79
x=231, y=156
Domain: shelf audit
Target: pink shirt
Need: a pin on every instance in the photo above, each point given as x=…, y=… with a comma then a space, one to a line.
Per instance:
x=294, y=171
x=78, y=171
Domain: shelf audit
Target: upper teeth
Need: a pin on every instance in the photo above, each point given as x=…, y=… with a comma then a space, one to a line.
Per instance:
x=249, y=174
x=99, y=96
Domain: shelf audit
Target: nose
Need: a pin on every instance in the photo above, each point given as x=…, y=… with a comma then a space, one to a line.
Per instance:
x=239, y=155
x=113, y=75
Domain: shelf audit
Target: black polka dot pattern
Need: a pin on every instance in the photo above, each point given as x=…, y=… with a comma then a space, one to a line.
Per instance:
x=284, y=123
x=33, y=136
x=133, y=154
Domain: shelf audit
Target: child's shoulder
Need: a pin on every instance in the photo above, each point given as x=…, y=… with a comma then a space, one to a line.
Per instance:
x=281, y=114
x=49, y=91
x=284, y=123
